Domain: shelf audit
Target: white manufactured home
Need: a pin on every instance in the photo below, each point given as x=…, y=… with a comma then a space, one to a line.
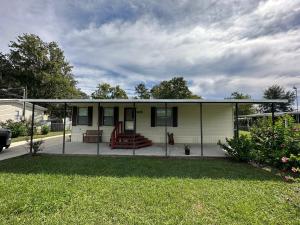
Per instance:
x=161, y=127
x=150, y=119
x=17, y=110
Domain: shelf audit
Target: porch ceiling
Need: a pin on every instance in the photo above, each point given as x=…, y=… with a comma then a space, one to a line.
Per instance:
x=252, y=101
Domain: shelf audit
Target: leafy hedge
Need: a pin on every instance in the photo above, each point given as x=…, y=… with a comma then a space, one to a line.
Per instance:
x=17, y=128
x=45, y=130
x=238, y=148
x=268, y=144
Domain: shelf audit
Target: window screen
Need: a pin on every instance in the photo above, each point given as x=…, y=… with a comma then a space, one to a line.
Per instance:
x=108, y=117
x=83, y=116
x=160, y=117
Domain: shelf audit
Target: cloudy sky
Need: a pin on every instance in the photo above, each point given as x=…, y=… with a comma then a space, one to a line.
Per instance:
x=218, y=46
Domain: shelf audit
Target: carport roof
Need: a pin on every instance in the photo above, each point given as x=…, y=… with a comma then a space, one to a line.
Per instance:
x=252, y=101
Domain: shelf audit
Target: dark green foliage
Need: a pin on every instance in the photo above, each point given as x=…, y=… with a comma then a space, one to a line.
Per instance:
x=106, y=91
x=239, y=148
x=278, y=92
x=176, y=88
x=292, y=163
x=142, y=92
x=45, y=130
x=266, y=144
x=17, y=128
x=272, y=143
x=39, y=66
x=8, y=76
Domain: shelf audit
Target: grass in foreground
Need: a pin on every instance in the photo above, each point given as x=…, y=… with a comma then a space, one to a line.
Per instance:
x=110, y=190
x=50, y=134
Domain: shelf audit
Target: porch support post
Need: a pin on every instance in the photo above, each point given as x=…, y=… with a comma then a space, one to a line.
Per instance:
x=166, y=131
x=64, y=131
x=273, y=123
x=32, y=125
x=237, y=120
x=273, y=114
x=201, y=129
x=98, y=129
x=134, y=130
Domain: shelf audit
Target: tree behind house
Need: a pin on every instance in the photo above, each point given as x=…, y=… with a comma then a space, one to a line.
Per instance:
x=278, y=92
x=244, y=109
x=176, y=88
x=106, y=91
x=142, y=92
x=42, y=68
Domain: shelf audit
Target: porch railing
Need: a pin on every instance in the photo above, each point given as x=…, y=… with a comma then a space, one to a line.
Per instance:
x=115, y=133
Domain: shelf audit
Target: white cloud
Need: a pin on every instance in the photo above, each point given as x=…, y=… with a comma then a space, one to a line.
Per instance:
x=218, y=46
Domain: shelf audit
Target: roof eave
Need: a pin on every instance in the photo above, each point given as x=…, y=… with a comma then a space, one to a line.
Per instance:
x=245, y=101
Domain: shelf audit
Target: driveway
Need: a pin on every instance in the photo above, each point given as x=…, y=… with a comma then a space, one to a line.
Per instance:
x=22, y=148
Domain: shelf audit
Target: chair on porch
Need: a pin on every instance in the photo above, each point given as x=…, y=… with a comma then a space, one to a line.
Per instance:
x=91, y=136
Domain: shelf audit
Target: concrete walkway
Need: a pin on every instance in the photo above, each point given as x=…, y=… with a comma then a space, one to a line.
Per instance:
x=53, y=145
x=177, y=150
x=21, y=147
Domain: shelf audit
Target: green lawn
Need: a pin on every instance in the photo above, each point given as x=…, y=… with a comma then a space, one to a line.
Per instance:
x=123, y=190
x=50, y=134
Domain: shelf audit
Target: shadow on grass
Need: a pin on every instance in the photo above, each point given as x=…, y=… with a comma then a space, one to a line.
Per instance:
x=134, y=167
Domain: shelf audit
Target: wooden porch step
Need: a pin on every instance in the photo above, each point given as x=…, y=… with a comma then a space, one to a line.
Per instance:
x=131, y=146
x=129, y=135
x=133, y=142
x=135, y=139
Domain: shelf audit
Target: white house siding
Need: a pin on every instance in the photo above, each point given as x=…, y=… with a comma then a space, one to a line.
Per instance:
x=78, y=130
x=14, y=111
x=217, y=123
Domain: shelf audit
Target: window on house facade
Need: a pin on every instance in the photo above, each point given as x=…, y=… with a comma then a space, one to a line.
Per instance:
x=108, y=116
x=83, y=116
x=161, y=115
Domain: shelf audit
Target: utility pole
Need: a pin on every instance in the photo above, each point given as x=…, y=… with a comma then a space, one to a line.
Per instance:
x=24, y=104
x=296, y=90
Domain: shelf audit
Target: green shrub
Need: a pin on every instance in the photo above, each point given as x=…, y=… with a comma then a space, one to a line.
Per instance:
x=292, y=162
x=45, y=130
x=267, y=144
x=17, y=128
x=239, y=148
x=271, y=143
x=36, y=146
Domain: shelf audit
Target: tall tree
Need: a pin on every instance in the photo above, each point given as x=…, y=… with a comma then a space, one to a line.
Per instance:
x=106, y=91
x=142, y=92
x=176, y=88
x=103, y=91
x=244, y=109
x=42, y=68
x=118, y=93
x=8, y=79
x=278, y=92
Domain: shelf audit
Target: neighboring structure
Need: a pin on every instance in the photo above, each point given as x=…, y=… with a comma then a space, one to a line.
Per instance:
x=13, y=109
x=246, y=121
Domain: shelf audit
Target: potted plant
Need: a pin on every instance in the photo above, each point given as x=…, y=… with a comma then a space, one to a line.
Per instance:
x=187, y=149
